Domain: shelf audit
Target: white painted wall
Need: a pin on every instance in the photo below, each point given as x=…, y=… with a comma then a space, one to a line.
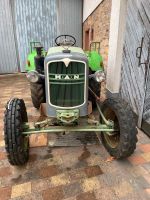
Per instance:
x=116, y=42
x=89, y=6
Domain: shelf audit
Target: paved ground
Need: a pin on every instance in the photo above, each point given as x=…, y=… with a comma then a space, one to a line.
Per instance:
x=70, y=173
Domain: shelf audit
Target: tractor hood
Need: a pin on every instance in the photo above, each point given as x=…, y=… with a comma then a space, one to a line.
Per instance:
x=66, y=81
x=59, y=53
x=60, y=49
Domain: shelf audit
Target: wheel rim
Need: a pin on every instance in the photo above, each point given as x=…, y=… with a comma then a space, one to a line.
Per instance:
x=114, y=140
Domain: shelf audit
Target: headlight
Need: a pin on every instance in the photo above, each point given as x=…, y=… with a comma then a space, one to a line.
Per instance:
x=33, y=76
x=100, y=76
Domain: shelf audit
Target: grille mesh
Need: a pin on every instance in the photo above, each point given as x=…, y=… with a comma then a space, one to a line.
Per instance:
x=66, y=84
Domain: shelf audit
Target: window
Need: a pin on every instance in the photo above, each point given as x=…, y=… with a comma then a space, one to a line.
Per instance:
x=87, y=40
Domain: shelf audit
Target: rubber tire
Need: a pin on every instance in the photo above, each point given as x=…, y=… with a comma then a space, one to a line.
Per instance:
x=127, y=125
x=15, y=115
x=95, y=86
x=37, y=94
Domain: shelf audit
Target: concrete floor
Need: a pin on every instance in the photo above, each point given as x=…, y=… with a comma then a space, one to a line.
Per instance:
x=69, y=173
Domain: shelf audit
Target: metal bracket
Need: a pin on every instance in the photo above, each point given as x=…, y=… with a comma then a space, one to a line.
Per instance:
x=95, y=46
x=139, y=51
x=147, y=65
x=109, y=123
x=67, y=116
x=33, y=44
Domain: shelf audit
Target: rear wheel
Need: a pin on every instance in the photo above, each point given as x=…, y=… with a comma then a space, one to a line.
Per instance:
x=16, y=144
x=37, y=94
x=123, y=143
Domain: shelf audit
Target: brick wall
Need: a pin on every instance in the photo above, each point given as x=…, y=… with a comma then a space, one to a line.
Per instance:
x=99, y=22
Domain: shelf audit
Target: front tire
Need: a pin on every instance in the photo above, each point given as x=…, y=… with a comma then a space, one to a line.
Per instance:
x=16, y=144
x=37, y=94
x=123, y=143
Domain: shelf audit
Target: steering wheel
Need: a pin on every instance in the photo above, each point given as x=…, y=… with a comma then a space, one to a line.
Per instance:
x=65, y=40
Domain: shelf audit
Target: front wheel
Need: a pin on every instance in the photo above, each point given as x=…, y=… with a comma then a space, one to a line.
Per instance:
x=123, y=142
x=37, y=94
x=16, y=144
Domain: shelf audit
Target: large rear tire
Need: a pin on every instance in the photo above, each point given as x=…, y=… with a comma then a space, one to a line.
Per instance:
x=16, y=144
x=123, y=143
x=37, y=94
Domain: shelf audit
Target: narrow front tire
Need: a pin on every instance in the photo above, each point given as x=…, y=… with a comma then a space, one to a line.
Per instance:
x=16, y=144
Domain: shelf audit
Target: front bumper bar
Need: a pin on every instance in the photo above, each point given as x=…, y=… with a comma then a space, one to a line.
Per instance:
x=78, y=128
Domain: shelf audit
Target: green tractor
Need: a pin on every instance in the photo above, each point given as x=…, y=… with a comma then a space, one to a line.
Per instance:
x=66, y=80
x=35, y=62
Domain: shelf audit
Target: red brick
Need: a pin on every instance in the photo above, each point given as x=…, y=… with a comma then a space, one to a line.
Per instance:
x=53, y=193
x=93, y=171
x=39, y=185
x=86, y=196
x=147, y=178
x=2, y=155
x=137, y=160
x=72, y=190
x=77, y=174
x=1, y=137
x=5, y=193
x=38, y=140
x=49, y=171
x=99, y=18
x=148, y=191
x=5, y=171
x=145, y=148
x=59, y=151
x=1, y=126
x=33, y=158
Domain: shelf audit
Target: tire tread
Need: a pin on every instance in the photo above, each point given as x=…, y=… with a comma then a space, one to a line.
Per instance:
x=14, y=115
x=128, y=130
x=37, y=94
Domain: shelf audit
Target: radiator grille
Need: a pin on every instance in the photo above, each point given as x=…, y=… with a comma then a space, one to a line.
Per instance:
x=66, y=84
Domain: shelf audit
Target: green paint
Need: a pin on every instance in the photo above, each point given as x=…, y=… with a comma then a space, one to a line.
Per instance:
x=67, y=116
x=31, y=56
x=31, y=60
x=78, y=128
x=107, y=122
x=95, y=60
